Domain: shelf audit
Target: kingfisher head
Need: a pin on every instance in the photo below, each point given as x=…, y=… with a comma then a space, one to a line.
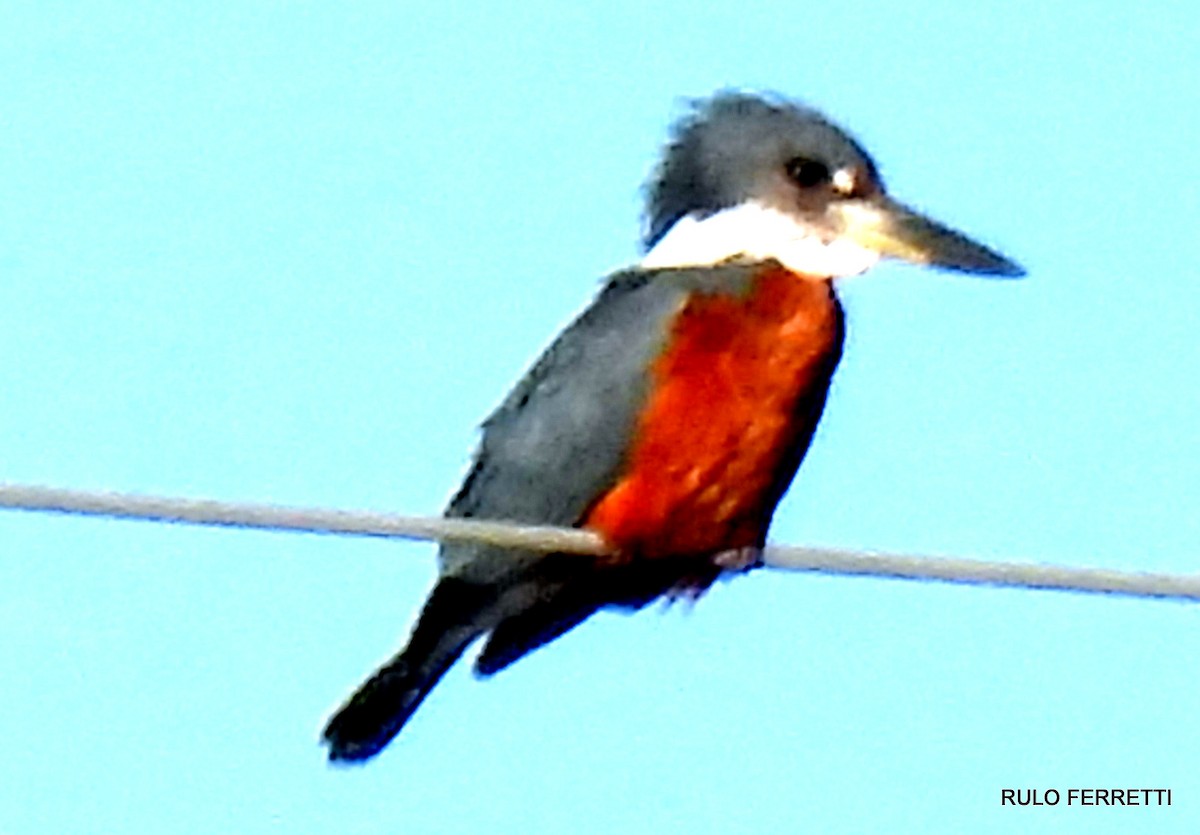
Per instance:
x=751, y=178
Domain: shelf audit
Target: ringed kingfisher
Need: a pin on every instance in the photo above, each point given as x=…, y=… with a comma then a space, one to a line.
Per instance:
x=672, y=414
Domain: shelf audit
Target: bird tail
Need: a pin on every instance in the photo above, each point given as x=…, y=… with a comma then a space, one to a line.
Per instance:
x=373, y=716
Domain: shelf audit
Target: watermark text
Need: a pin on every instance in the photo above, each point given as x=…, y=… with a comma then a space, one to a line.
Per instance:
x=1085, y=797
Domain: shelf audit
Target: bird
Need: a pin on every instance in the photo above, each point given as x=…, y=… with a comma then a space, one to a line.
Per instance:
x=671, y=416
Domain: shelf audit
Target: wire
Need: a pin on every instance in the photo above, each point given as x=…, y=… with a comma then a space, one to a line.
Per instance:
x=297, y=519
x=576, y=541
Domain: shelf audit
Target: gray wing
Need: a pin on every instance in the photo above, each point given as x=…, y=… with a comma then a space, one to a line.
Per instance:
x=555, y=444
x=560, y=438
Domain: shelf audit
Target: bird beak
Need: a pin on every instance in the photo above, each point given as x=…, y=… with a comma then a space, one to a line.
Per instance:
x=892, y=229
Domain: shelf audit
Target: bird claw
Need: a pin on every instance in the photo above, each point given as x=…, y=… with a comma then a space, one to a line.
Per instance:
x=684, y=593
x=691, y=588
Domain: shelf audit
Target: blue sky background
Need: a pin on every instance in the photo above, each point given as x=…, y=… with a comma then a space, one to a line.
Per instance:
x=295, y=252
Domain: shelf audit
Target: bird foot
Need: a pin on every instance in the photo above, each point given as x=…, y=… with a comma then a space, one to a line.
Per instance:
x=684, y=593
x=692, y=587
x=739, y=559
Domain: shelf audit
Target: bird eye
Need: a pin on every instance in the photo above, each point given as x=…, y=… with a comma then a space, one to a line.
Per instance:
x=807, y=173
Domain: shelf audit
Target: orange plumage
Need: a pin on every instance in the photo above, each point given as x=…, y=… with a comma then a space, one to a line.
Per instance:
x=720, y=418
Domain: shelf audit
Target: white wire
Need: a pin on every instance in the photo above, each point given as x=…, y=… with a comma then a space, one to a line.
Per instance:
x=575, y=541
